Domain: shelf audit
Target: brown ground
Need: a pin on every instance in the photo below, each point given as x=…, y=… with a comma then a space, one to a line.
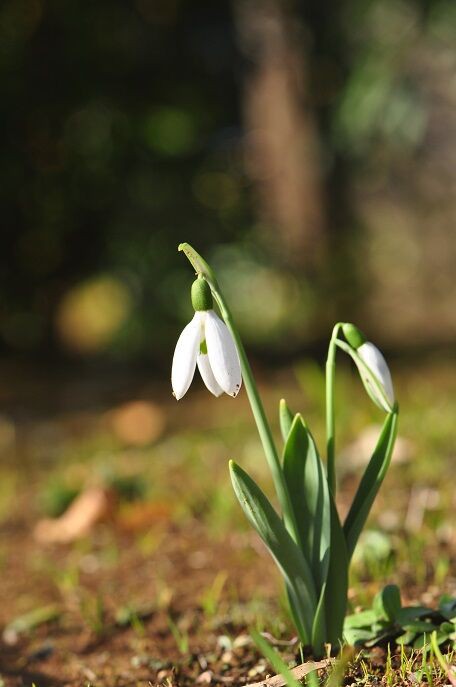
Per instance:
x=86, y=645
x=165, y=589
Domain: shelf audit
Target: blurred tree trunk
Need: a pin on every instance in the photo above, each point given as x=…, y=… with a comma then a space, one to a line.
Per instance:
x=281, y=143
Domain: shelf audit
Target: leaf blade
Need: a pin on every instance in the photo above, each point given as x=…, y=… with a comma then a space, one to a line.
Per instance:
x=281, y=546
x=285, y=419
x=370, y=482
x=336, y=592
x=309, y=494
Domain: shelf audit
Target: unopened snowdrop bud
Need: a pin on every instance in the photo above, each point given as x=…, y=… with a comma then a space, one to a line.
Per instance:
x=372, y=367
x=373, y=358
x=207, y=342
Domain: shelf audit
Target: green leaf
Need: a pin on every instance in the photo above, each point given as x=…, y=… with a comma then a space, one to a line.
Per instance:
x=406, y=638
x=357, y=636
x=447, y=627
x=409, y=614
x=285, y=418
x=387, y=602
x=420, y=626
x=361, y=619
x=337, y=580
x=319, y=630
x=308, y=488
x=288, y=557
x=447, y=606
x=370, y=482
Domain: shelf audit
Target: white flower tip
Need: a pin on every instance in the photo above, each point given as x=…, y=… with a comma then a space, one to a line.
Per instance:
x=237, y=390
x=223, y=355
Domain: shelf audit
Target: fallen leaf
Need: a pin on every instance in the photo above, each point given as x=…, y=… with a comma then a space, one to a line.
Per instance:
x=87, y=509
x=135, y=517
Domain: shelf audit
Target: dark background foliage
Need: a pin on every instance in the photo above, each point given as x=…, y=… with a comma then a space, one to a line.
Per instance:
x=307, y=150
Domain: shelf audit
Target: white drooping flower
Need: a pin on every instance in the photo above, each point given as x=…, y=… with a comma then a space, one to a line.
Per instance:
x=373, y=358
x=207, y=342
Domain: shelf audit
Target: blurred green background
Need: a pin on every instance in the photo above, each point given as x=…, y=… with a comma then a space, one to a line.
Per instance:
x=308, y=150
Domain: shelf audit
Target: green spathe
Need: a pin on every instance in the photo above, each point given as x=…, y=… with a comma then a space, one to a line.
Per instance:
x=354, y=336
x=201, y=295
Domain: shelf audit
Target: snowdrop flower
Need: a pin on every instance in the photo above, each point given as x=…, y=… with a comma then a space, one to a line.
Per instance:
x=207, y=342
x=373, y=368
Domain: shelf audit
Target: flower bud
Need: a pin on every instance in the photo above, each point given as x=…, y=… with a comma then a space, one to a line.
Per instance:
x=201, y=295
x=381, y=393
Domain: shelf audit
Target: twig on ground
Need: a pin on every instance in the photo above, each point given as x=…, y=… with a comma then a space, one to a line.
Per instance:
x=298, y=672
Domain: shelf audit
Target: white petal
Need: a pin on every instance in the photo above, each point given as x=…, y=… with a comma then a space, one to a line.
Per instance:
x=184, y=359
x=223, y=355
x=204, y=367
x=376, y=362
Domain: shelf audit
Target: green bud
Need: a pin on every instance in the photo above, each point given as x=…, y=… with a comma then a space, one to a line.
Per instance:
x=201, y=295
x=354, y=336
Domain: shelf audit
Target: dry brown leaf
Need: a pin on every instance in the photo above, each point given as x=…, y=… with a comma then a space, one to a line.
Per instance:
x=135, y=517
x=91, y=506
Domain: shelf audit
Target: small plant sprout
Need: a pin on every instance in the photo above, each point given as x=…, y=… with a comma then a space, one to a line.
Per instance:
x=206, y=342
x=307, y=540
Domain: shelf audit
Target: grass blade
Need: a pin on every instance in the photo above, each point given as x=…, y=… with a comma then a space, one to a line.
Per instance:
x=447, y=669
x=274, y=659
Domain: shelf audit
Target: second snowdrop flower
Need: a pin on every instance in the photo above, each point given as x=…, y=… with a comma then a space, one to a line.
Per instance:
x=373, y=368
x=207, y=342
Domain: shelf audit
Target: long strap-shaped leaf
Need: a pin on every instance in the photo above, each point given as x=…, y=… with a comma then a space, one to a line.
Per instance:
x=337, y=581
x=283, y=549
x=308, y=488
x=332, y=605
x=370, y=482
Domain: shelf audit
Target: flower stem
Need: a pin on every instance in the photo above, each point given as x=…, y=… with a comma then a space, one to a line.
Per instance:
x=330, y=410
x=261, y=421
x=256, y=405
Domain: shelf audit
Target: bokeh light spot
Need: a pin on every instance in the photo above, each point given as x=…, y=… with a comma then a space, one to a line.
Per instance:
x=170, y=131
x=91, y=314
